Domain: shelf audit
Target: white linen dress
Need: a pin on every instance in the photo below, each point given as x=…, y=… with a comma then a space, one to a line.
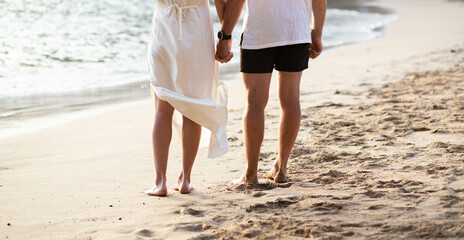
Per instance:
x=183, y=70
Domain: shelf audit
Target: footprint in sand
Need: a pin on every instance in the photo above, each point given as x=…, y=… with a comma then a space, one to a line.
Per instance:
x=246, y=188
x=326, y=207
x=376, y=207
x=145, y=233
x=301, y=150
x=330, y=177
x=324, y=156
x=278, y=203
x=374, y=194
x=258, y=194
x=190, y=227
x=191, y=212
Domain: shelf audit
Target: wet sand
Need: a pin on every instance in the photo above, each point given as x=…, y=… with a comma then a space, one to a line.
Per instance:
x=379, y=155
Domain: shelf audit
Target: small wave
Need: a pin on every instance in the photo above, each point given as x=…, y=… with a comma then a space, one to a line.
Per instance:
x=349, y=26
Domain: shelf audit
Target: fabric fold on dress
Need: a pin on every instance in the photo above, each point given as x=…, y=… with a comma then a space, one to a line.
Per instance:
x=183, y=70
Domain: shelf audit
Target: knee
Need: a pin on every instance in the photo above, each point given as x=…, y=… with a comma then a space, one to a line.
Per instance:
x=186, y=122
x=255, y=107
x=256, y=102
x=291, y=109
x=163, y=114
x=290, y=103
x=163, y=108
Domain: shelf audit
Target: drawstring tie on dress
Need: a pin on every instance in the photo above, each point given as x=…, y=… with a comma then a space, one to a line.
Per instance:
x=180, y=14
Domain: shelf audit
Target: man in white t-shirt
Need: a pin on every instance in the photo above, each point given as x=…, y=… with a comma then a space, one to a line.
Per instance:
x=280, y=35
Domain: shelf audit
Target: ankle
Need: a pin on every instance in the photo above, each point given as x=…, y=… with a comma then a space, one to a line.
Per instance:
x=160, y=180
x=251, y=174
x=279, y=166
x=184, y=177
x=185, y=181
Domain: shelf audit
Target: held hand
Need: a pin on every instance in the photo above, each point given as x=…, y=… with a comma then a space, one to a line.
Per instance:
x=315, y=49
x=223, y=53
x=226, y=59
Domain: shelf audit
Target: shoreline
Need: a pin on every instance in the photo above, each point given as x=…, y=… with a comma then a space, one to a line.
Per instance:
x=360, y=6
x=376, y=143
x=23, y=113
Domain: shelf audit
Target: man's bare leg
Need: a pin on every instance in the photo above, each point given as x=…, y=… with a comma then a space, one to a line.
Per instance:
x=289, y=96
x=257, y=94
x=162, y=133
x=191, y=134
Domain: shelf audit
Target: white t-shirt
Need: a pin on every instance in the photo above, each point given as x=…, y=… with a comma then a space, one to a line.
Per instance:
x=272, y=23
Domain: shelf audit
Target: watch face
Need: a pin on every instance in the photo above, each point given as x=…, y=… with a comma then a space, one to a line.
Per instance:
x=220, y=34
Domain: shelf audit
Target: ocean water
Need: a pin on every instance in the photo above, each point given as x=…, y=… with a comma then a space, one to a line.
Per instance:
x=52, y=48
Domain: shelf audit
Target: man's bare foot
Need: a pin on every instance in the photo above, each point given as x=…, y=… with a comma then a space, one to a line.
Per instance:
x=161, y=191
x=245, y=180
x=269, y=175
x=277, y=175
x=280, y=177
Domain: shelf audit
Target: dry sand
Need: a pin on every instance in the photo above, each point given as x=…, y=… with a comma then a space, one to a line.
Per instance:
x=380, y=155
x=390, y=168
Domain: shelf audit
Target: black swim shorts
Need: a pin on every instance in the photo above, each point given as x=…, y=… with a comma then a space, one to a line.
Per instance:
x=288, y=58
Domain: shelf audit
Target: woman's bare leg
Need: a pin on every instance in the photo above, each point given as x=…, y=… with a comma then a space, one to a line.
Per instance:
x=162, y=133
x=191, y=134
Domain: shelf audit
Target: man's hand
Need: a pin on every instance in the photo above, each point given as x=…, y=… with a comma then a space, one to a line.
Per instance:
x=315, y=48
x=319, y=9
x=228, y=12
x=223, y=53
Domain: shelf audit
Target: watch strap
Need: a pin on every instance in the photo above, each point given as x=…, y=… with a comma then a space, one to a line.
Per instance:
x=223, y=36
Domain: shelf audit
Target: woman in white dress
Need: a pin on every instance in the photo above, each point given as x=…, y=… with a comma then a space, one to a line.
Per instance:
x=184, y=78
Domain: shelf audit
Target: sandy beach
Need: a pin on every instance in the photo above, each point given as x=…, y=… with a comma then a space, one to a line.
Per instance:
x=380, y=155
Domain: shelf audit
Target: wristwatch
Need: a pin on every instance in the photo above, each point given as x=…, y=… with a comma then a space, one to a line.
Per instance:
x=222, y=36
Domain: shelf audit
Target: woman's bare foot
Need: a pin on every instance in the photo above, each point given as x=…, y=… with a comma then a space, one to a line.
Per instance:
x=244, y=179
x=183, y=185
x=159, y=191
x=179, y=182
